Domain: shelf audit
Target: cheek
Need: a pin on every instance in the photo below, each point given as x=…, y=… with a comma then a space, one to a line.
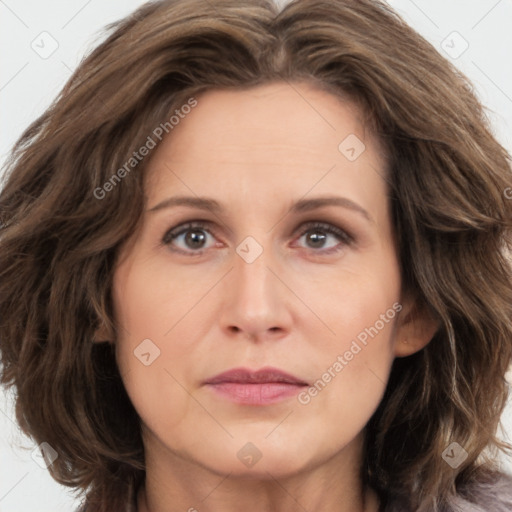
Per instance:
x=153, y=349
x=156, y=393
x=351, y=374
x=361, y=305
x=151, y=300
x=353, y=358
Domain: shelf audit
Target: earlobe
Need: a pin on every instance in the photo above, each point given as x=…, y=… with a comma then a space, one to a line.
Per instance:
x=417, y=326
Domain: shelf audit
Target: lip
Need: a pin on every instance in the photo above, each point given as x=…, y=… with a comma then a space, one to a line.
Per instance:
x=261, y=387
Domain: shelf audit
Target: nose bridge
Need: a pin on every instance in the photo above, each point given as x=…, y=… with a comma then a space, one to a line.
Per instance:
x=255, y=296
x=252, y=277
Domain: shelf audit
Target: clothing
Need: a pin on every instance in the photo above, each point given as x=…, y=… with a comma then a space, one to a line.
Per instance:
x=479, y=497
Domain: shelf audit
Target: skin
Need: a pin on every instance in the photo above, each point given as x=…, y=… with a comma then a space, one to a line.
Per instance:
x=296, y=307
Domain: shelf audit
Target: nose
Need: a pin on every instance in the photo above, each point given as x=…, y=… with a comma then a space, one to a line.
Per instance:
x=256, y=300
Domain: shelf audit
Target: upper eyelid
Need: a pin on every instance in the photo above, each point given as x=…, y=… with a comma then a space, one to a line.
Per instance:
x=209, y=225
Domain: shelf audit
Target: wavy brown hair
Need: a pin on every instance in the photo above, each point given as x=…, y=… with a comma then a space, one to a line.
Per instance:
x=447, y=176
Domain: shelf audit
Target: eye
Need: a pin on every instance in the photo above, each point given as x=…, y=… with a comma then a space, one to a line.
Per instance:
x=318, y=233
x=193, y=237
x=194, y=241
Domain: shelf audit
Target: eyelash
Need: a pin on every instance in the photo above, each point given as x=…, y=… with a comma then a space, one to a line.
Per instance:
x=324, y=227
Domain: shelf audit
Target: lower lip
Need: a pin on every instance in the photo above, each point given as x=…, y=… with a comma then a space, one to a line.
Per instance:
x=256, y=394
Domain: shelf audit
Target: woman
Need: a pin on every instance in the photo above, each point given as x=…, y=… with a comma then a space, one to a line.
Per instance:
x=257, y=259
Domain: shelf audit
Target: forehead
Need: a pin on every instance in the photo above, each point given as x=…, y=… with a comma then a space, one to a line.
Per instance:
x=273, y=132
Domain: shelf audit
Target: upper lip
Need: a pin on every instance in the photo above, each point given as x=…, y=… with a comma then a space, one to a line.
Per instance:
x=263, y=375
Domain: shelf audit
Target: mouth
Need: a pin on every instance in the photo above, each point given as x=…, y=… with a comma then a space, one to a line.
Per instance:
x=262, y=387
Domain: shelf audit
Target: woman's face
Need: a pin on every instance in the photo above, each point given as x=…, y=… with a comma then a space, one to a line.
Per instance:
x=289, y=266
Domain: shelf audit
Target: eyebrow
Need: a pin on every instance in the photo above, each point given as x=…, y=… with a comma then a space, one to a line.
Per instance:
x=300, y=206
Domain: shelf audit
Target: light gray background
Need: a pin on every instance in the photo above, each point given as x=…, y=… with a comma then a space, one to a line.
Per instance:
x=28, y=83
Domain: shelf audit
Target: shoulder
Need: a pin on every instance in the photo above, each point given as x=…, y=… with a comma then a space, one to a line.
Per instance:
x=489, y=495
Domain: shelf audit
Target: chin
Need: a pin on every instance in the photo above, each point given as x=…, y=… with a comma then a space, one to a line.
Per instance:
x=261, y=459
x=267, y=468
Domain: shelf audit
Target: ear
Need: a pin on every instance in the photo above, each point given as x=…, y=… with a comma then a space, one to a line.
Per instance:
x=416, y=326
